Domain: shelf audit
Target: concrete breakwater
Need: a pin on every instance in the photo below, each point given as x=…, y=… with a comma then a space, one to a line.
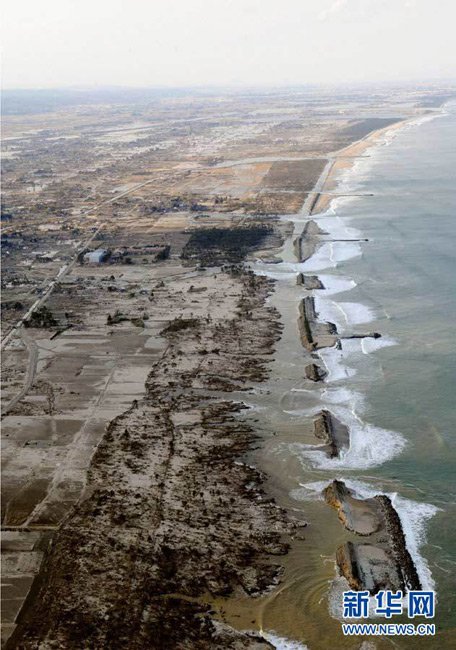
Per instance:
x=309, y=282
x=383, y=560
x=314, y=334
x=334, y=434
x=314, y=372
x=307, y=242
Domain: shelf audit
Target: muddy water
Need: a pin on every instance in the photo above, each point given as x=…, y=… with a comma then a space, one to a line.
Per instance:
x=394, y=392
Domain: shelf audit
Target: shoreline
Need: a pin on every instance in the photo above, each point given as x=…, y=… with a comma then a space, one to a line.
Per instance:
x=346, y=158
x=317, y=208
x=349, y=562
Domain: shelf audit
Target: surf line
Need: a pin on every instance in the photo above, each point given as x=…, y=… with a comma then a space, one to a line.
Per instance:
x=395, y=549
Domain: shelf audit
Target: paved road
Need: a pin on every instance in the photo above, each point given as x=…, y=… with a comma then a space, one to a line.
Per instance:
x=312, y=196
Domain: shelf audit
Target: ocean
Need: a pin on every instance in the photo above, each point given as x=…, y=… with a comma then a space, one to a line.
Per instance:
x=406, y=276
x=397, y=393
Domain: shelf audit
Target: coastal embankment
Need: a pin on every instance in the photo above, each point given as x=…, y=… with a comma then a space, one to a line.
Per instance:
x=384, y=561
x=381, y=562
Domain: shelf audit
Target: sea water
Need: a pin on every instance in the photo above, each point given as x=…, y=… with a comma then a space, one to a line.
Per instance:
x=406, y=276
x=397, y=393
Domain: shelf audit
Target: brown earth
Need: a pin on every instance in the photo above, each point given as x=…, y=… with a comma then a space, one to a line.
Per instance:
x=130, y=566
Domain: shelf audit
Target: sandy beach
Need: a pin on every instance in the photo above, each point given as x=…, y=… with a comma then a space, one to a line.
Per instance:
x=344, y=159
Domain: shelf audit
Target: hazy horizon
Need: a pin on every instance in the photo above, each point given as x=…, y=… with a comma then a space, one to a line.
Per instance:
x=237, y=86
x=231, y=43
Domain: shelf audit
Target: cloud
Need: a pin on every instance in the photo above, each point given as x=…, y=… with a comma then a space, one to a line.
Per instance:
x=334, y=8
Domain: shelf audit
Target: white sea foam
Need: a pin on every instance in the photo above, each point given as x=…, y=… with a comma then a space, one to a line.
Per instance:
x=336, y=396
x=336, y=596
x=413, y=515
x=276, y=272
x=335, y=361
x=336, y=226
x=369, y=345
x=320, y=260
x=331, y=254
x=334, y=284
x=366, y=345
x=355, y=313
x=345, y=397
x=281, y=643
x=343, y=314
x=369, y=445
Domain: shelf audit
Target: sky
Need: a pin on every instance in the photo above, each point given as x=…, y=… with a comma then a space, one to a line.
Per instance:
x=55, y=43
